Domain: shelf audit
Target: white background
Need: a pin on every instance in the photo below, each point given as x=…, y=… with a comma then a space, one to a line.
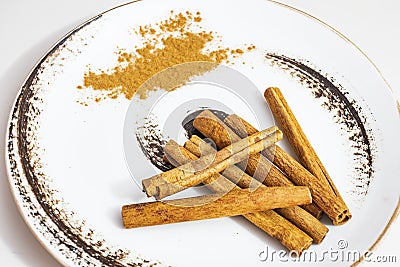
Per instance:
x=29, y=28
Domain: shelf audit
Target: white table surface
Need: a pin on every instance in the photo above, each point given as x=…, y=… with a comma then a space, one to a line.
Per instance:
x=29, y=28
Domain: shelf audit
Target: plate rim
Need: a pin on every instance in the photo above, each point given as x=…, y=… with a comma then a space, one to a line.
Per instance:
x=16, y=196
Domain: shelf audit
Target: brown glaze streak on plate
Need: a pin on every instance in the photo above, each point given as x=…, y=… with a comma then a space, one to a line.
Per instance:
x=346, y=112
x=152, y=142
x=80, y=246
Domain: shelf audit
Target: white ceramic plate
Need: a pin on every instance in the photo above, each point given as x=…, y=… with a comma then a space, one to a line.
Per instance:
x=66, y=161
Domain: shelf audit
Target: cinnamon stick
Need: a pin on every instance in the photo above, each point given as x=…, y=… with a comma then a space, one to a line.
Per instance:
x=233, y=203
x=256, y=166
x=179, y=156
x=330, y=199
x=298, y=216
x=193, y=173
x=286, y=163
x=268, y=221
x=233, y=173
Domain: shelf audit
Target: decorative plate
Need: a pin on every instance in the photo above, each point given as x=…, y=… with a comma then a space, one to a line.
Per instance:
x=72, y=149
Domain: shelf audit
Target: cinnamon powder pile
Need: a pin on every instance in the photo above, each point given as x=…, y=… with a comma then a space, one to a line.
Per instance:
x=169, y=43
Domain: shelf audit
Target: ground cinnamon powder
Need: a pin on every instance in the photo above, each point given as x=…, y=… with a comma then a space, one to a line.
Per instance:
x=177, y=40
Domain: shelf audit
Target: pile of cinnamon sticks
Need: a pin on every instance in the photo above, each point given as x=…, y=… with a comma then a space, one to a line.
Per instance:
x=249, y=175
